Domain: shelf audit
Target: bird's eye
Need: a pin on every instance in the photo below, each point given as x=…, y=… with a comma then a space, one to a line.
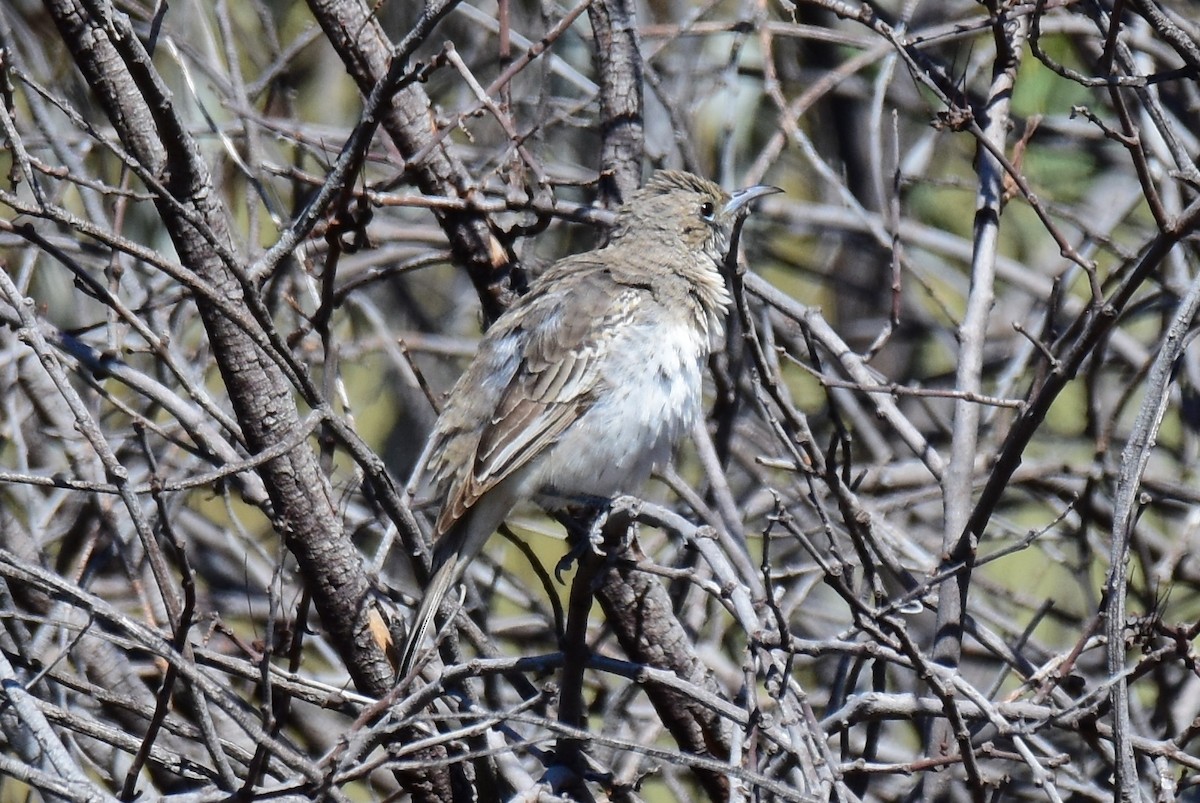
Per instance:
x=707, y=209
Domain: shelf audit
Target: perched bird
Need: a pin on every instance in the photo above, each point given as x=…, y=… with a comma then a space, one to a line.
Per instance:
x=587, y=382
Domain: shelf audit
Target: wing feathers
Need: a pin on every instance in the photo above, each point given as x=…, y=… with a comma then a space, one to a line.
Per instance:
x=553, y=384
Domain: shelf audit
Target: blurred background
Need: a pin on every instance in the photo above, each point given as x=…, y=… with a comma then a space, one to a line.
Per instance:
x=950, y=455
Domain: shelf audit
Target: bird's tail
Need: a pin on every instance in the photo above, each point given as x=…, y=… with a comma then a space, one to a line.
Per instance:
x=422, y=623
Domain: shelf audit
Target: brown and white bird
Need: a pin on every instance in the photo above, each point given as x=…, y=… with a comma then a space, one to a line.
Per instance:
x=588, y=381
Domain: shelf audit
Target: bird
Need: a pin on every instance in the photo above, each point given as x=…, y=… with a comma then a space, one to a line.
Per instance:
x=587, y=382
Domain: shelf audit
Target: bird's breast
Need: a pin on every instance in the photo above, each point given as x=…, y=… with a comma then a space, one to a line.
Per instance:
x=649, y=397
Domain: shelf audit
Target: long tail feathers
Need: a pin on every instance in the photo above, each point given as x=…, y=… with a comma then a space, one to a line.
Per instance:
x=422, y=623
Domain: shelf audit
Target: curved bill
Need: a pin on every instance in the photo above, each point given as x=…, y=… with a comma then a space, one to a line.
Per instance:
x=740, y=200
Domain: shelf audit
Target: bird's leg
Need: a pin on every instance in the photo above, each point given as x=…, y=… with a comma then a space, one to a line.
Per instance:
x=609, y=532
x=580, y=517
x=613, y=531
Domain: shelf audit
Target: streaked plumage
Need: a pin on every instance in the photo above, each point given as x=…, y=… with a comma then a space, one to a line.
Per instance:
x=588, y=381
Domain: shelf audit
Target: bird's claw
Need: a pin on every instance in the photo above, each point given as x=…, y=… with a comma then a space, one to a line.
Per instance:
x=564, y=564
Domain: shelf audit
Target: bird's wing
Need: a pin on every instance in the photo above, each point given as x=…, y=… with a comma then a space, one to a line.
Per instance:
x=564, y=328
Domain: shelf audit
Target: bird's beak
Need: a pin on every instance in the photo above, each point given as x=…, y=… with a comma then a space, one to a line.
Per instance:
x=742, y=198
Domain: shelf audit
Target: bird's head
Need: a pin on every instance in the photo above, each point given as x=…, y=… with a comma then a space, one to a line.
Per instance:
x=679, y=207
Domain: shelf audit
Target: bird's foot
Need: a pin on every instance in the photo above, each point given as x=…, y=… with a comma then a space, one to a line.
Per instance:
x=606, y=532
x=580, y=522
x=612, y=532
